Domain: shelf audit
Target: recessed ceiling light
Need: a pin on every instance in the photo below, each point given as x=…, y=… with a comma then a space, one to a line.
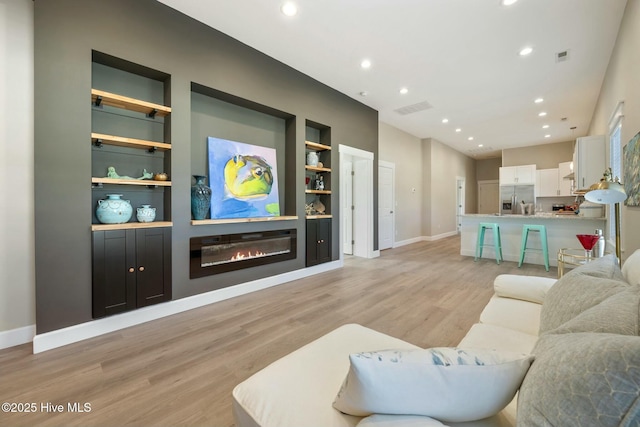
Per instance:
x=508, y=2
x=364, y=93
x=480, y=145
x=542, y=114
x=289, y=8
x=526, y=51
x=445, y=120
x=458, y=130
x=545, y=126
x=470, y=138
x=365, y=64
x=547, y=136
x=538, y=100
x=404, y=91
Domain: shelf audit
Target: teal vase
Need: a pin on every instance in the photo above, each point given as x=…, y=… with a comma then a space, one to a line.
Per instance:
x=200, y=198
x=114, y=210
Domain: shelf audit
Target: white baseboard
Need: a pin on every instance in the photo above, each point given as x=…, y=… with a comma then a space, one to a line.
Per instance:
x=17, y=336
x=94, y=328
x=424, y=239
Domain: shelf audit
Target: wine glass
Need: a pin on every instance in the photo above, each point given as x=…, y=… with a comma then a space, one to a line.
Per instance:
x=588, y=241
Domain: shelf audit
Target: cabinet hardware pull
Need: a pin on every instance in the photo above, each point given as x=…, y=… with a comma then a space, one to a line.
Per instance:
x=141, y=268
x=131, y=270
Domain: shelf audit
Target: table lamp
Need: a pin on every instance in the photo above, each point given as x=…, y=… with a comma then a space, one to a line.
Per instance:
x=606, y=192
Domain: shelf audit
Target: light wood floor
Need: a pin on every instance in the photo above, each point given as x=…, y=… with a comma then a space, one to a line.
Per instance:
x=180, y=370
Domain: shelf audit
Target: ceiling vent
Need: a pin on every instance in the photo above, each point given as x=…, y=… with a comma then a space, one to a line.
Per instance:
x=562, y=56
x=410, y=109
x=480, y=150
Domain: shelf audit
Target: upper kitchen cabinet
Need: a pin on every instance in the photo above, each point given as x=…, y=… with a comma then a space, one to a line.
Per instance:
x=552, y=182
x=564, y=181
x=588, y=161
x=518, y=175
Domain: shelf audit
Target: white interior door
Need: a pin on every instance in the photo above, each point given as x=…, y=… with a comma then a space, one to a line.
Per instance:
x=386, y=215
x=347, y=205
x=460, y=187
x=360, y=214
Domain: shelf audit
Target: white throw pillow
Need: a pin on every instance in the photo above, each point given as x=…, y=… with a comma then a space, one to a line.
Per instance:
x=381, y=420
x=449, y=384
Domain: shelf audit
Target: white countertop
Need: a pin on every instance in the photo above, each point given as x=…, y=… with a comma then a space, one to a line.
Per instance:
x=538, y=216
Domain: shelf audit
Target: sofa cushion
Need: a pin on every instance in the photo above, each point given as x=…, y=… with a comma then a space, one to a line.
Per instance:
x=449, y=384
x=582, y=379
x=618, y=314
x=631, y=268
x=298, y=389
x=526, y=288
x=499, y=338
x=516, y=314
x=579, y=290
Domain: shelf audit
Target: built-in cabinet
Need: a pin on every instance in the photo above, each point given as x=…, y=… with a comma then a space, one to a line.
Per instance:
x=588, y=161
x=131, y=269
x=518, y=175
x=318, y=241
x=552, y=182
x=130, y=157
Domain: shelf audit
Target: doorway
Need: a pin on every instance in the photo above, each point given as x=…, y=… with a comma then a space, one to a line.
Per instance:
x=357, y=202
x=386, y=205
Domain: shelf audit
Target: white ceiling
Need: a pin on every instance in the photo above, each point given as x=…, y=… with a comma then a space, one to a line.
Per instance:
x=460, y=56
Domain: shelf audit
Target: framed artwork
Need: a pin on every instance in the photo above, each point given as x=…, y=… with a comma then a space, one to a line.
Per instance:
x=243, y=180
x=631, y=162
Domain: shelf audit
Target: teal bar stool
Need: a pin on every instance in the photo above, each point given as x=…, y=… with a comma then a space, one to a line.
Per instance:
x=497, y=244
x=543, y=243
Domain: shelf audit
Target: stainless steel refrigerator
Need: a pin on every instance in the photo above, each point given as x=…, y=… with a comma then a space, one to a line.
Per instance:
x=511, y=196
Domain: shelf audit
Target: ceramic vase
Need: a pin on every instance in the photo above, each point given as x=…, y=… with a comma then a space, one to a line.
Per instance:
x=114, y=210
x=200, y=198
x=146, y=213
x=312, y=158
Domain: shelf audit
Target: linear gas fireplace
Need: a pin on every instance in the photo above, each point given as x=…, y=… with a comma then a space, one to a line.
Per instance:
x=219, y=254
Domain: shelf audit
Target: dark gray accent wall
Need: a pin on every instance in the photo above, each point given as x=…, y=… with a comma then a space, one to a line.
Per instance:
x=152, y=35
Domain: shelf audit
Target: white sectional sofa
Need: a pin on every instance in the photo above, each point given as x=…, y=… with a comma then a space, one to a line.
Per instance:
x=597, y=304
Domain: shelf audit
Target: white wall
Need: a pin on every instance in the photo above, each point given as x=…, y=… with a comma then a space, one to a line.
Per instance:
x=404, y=150
x=17, y=277
x=622, y=83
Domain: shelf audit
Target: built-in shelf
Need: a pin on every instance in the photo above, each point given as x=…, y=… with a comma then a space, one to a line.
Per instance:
x=317, y=169
x=317, y=191
x=121, y=181
x=100, y=97
x=121, y=141
x=130, y=225
x=240, y=220
x=315, y=146
x=318, y=216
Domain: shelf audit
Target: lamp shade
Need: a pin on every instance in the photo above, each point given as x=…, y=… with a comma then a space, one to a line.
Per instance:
x=606, y=192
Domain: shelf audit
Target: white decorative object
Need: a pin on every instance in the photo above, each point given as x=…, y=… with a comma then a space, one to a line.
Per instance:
x=146, y=213
x=312, y=158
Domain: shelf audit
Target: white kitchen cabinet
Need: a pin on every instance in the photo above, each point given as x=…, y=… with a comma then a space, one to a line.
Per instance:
x=588, y=161
x=547, y=183
x=564, y=184
x=518, y=175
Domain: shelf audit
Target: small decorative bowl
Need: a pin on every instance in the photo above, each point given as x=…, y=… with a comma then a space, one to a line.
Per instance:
x=161, y=176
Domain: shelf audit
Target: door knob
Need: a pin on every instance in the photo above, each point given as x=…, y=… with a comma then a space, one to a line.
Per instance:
x=141, y=268
x=131, y=269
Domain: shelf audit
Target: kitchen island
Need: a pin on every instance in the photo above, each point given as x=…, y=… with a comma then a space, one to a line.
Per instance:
x=561, y=233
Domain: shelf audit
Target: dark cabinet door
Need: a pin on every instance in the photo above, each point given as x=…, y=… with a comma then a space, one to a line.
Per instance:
x=318, y=241
x=114, y=278
x=153, y=266
x=131, y=269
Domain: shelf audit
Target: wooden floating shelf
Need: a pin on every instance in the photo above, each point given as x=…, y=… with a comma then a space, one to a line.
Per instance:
x=122, y=141
x=316, y=146
x=131, y=104
x=120, y=181
x=318, y=216
x=317, y=169
x=241, y=220
x=317, y=191
x=130, y=225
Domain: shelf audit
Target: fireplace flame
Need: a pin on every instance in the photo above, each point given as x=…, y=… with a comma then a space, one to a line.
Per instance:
x=242, y=255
